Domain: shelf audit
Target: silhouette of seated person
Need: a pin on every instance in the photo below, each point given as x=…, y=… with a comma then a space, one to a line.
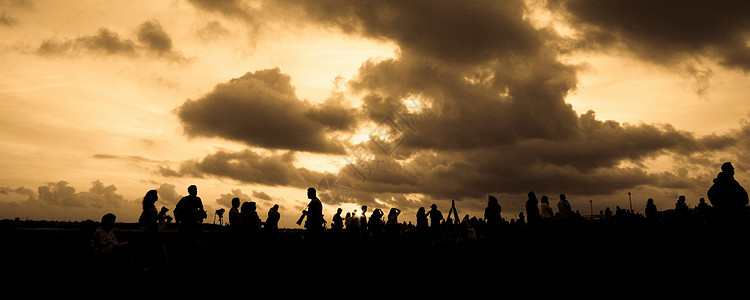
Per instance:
x=728, y=198
x=104, y=239
x=163, y=217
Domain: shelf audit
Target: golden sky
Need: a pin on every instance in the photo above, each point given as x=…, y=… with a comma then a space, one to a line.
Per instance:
x=407, y=103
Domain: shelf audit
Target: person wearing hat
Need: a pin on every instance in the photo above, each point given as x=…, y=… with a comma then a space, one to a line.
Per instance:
x=435, y=218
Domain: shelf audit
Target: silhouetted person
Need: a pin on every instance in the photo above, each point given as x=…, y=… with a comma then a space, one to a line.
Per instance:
x=492, y=217
x=363, y=222
x=532, y=210
x=703, y=210
x=235, y=221
x=189, y=210
x=376, y=225
x=422, y=221
x=104, y=239
x=337, y=222
x=392, y=227
x=563, y=207
x=163, y=217
x=271, y=226
x=728, y=198
x=250, y=220
x=313, y=214
x=681, y=208
x=435, y=218
x=545, y=209
x=152, y=250
x=150, y=216
x=652, y=214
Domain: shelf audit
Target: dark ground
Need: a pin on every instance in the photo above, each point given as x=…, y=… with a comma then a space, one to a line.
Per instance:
x=577, y=255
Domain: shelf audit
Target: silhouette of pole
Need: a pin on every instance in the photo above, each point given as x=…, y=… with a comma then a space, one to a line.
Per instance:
x=591, y=204
x=631, y=202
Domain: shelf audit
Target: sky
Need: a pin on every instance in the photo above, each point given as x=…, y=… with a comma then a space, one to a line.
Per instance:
x=389, y=104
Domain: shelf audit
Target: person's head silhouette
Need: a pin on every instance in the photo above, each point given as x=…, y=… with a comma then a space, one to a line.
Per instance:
x=311, y=193
x=727, y=168
x=108, y=221
x=193, y=190
x=235, y=202
x=491, y=200
x=150, y=198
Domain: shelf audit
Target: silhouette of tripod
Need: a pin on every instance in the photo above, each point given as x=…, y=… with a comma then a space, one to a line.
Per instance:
x=454, y=211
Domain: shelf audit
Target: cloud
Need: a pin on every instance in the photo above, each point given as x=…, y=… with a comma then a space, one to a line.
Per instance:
x=61, y=201
x=664, y=32
x=261, y=109
x=103, y=42
x=212, y=31
x=226, y=199
x=7, y=20
x=492, y=117
x=151, y=40
x=248, y=166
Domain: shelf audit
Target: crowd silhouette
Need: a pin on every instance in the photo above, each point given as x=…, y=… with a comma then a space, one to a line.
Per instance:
x=724, y=214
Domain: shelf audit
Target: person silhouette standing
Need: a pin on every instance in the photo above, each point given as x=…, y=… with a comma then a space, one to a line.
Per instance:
x=651, y=212
x=250, y=221
x=392, y=227
x=564, y=207
x=436, y=217
x=271, y=226
x=728, y=198
x=337, y=222
x=492, y=217
x=234, y=215
x=545, y=209
x=189, y=211
x=313, y=215
x=364, y=231
x=152, y=251
x=422, y=220
x=532, y=210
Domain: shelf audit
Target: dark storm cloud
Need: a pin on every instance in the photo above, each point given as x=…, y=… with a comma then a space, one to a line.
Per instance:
x=461, y=32
x=664, y=32
x=261, y=109
x=250, y=167
x=151, y=40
